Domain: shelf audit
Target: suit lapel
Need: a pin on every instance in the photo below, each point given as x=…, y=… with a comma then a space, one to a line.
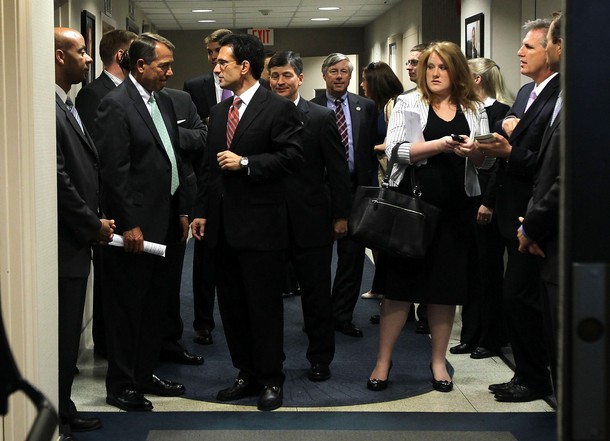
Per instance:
x=252, y=112
x=354, y=110
x=536, y=107
x=142, y=110
x=304, y=108
x=82, y=134
x=548, y=134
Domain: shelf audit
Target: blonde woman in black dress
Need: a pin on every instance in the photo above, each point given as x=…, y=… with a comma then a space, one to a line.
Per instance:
x=446, y=103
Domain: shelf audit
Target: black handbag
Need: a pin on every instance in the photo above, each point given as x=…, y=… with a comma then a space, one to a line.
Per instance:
x=391, y=222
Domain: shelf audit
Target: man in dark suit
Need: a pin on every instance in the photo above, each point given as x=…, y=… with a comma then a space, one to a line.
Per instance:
x=358, y=137
x=112, y=46
x=205, y=92
x=539, y=234
x=525, y=124
x=146, y=193
x=192, y=134
x=254, y=144
x=79, y=223
x=313, y=222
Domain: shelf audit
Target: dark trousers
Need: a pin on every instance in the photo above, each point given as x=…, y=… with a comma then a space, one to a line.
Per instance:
x=550, y=313
x=251, y=306
x=135, y=298
x=204, y=286
x=524, y=317
x=72, y=292
x=312, y=268
x=98, y=328
x=348, y=277
x=173, y=326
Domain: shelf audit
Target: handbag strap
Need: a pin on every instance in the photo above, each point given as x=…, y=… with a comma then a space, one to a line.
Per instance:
x=410, y=169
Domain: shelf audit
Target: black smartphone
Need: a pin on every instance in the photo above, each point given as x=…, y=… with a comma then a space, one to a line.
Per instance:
x=457, y=138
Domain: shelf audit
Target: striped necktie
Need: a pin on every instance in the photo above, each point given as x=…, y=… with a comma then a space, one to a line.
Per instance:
x=342, y=125
x=157, y=118
x=74, y=112
x=233, y=120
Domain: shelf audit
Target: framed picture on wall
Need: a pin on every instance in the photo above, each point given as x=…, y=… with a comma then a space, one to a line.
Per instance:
x=87, y=24
x=474, y=36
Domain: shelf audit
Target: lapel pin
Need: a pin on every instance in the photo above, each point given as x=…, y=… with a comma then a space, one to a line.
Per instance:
x=358, y=108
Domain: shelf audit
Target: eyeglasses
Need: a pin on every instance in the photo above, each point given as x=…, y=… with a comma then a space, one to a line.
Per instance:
x=224, y=63
x=413, y=63
x=335, y=72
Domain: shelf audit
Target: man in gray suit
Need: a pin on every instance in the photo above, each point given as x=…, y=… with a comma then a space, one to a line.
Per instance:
x=357, y=123
x=78, y=219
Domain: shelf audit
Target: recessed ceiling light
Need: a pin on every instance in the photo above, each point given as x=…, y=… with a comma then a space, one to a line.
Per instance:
x=202, y=10
x=329, y=8
x=206, y=21
x=319, y=19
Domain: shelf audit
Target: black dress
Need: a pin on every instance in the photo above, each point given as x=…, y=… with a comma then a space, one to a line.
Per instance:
x=442, y=276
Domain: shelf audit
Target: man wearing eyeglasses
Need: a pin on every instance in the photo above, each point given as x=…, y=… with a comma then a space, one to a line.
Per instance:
x=357, y=123
x=413, y=61
x=254, y=143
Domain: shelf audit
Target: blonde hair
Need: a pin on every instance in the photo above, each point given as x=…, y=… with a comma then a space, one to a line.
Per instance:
x=463, y=92
x=492, y=81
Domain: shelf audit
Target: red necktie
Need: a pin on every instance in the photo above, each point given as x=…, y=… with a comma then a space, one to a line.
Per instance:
x=342, y=125
x=233, y=120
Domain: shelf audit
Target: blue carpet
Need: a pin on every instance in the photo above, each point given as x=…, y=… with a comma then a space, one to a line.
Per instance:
x=121, y=426
x=354, y=358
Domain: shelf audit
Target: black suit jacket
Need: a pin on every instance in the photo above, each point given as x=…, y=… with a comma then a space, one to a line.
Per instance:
x=310, y=210
x=203, y=93
x=514, y=176
x=192, y=133
x=136, y=169
x=364, y=132
x=89, y=97
x=541, y=222
x=251, y=204
x=77, y=193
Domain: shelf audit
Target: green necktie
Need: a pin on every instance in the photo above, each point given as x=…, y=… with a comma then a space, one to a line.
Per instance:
x=155, y=113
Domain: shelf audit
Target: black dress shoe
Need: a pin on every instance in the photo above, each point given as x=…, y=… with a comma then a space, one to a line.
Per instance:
x=348, y=328
x=130, y=400
x=375, y=319
x=521, y=394
x=81, y=424
x=184, y=357
x=318, y=372
x=422, y=327
x=203, y=337
x=240, y=389
x=497, y=387
x=68, y=437
x=462, y=348
x=441, y=385
x=481, y=352
x=162, y=388
x=270, y=399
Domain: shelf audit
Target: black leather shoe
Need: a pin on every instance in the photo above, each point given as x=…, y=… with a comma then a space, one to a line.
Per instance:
x=348, y=328
x=481, y=352
x=68, y=437
x=497, y=387
x=318, y=372
x=81, y=424
x=130, y=400
x=375, y=319
x=240, y=389
x=441, y=385
x=376, y=384
x=184, y=357
x=462, y=348
x=422, y=327
x=521, y=394
x=270, y=399
x=203, y=337
x=162, y=388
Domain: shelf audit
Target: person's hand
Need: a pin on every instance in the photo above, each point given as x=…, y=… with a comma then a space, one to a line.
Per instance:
x=340, y=228
x=446, y=144
x=184, y=228
x=465, y=149
x=500, y=148
x=106, y=232
x=484, y=215
x=228, y=160
x=198, y=228
x=379, y=148
x=527, y=245
x=133, y=240
x=509, y=124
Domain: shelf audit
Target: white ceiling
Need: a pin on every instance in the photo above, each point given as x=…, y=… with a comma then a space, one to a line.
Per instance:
x=244, y=14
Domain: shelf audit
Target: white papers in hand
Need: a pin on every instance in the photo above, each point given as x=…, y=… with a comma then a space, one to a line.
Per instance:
x=157, y=249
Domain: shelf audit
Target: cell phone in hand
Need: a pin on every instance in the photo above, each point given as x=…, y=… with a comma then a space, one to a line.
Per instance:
x=457, y=138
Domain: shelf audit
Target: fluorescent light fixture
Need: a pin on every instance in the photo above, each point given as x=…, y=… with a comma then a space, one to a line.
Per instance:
x=329, y=8
x=319, y=19
x=202, y=10
x=206, y=21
